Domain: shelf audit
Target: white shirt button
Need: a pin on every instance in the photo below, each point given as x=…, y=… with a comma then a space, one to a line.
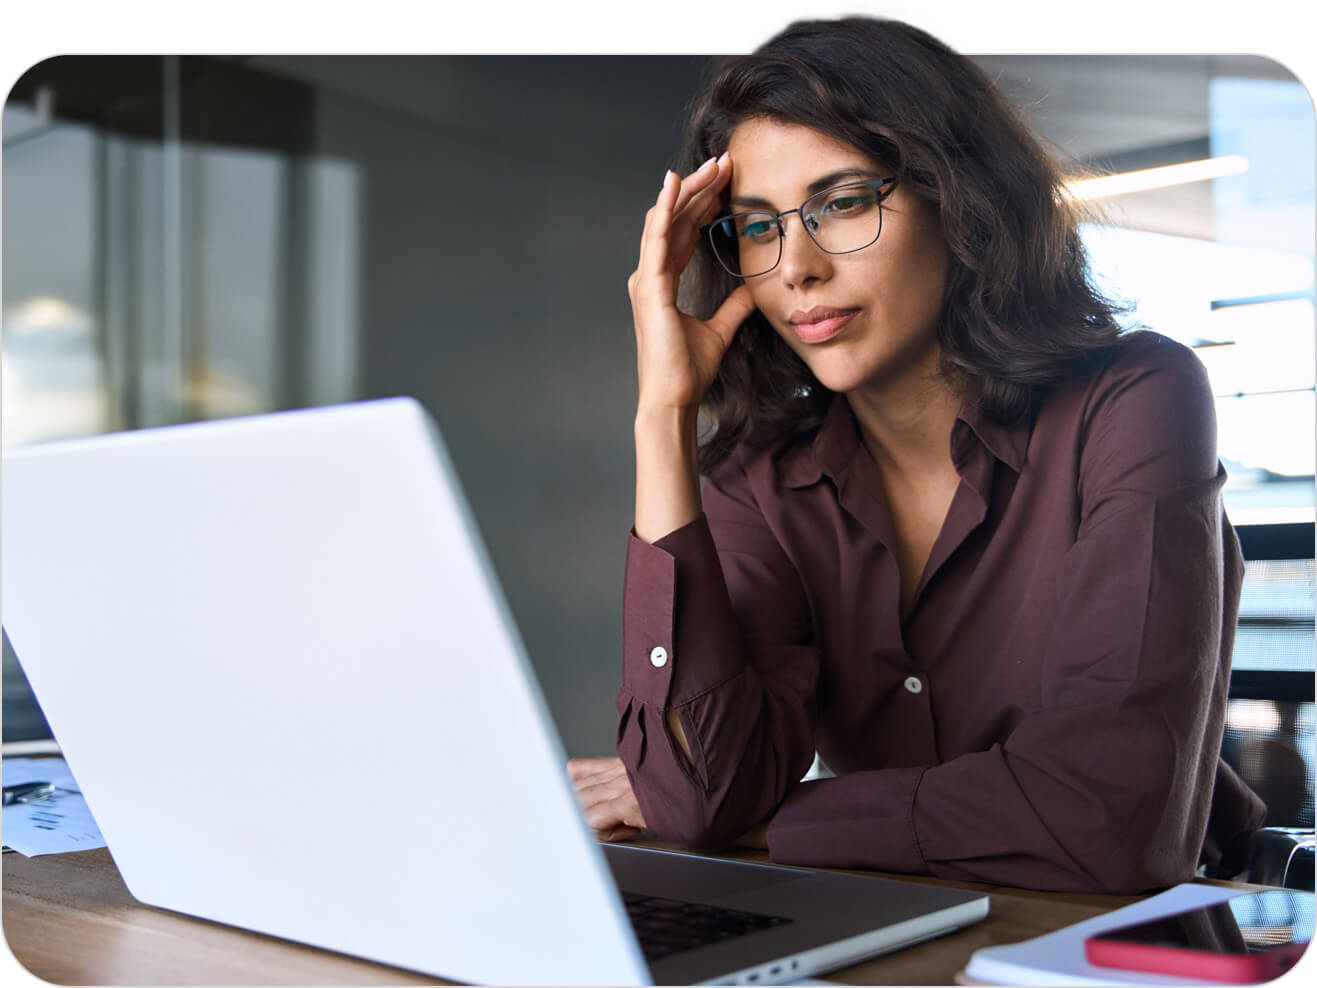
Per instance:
x=913, y=684
x=658, y=658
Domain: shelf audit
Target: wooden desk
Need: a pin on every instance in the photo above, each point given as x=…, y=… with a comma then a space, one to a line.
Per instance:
x=70, y=920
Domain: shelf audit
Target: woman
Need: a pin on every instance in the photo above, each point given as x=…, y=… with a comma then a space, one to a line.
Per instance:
x=958, y=536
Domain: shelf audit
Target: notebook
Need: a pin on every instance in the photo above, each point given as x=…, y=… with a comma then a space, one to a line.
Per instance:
x=295, y=616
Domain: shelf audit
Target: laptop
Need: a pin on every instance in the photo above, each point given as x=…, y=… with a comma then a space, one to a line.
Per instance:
x=279, y=663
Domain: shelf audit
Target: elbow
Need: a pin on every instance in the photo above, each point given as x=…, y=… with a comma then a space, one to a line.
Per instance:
x=695, y=819
x=1139, y=878
x=700, y=838
x=701, y=806
x=698, y=829
x=1149, y=833
x=1132, y=866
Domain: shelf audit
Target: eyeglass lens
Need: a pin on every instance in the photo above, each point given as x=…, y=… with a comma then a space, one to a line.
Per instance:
x=840, y=220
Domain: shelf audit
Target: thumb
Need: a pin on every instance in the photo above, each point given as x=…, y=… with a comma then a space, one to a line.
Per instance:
x=734, y=311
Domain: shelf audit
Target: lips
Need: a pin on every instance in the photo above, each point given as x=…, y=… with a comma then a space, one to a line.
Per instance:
x=819, y=324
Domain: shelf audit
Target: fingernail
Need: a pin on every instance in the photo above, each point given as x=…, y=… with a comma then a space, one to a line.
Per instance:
x=667, y=175
x=706, y=164
x=722, y=160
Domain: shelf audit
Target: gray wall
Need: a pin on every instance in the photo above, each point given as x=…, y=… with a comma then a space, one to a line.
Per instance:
x=500, y=211
x=457, y=228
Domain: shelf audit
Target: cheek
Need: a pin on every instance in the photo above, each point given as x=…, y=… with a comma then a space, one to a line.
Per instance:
x=930, y=259
x=759, y=292
x=915, y=280
x=767, y=302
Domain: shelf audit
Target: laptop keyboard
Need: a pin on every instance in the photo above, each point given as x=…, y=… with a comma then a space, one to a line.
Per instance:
x=670, y=926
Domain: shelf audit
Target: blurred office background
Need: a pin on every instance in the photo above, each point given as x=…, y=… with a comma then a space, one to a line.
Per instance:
x=199, y=237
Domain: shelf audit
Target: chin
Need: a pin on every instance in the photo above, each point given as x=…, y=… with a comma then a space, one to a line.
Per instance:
x=841, y=384
x=849, y=369
x=836, y=370
x=842, y=375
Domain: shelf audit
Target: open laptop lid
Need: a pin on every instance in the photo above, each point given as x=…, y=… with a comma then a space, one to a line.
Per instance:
x=277, y=660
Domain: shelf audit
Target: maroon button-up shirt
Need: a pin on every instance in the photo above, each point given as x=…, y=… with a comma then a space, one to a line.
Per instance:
x=1048, y=715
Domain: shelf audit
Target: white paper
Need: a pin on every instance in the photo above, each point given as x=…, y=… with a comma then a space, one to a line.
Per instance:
x=53, y=770
x=48, y=826
x=1058, y=958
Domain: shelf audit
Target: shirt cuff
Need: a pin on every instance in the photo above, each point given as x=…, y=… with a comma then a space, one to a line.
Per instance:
x=649, y=606
x=680, y=638
x=857, y=820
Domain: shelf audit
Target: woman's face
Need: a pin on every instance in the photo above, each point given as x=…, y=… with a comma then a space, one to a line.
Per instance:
x=863, y=320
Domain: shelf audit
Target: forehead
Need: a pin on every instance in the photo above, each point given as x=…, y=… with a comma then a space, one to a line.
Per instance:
x=775, y=160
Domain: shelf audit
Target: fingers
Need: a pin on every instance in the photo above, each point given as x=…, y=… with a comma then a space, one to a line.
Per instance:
x=602, y=788
x=677, y=355
x=623, y=811
x=654, y=245
x=600, y=781
x=583, y=768
x=614, y=791
x=709, y=177
x=683, y=206
x=699, y=202
x=604, y=791
x=735, y=309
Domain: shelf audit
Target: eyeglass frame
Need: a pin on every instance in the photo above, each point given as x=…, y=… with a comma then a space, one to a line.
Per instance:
x=876, y=184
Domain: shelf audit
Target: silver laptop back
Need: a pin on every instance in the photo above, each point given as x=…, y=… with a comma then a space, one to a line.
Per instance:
x=279, y=664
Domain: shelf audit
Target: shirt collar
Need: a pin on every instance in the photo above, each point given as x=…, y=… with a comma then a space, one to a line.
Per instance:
x=837, y=442
x=1007, y=442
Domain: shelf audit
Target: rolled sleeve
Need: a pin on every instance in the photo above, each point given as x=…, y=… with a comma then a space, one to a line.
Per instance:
x=711, y=597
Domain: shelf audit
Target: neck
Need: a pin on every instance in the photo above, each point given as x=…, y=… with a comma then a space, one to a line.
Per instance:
x=907, y=426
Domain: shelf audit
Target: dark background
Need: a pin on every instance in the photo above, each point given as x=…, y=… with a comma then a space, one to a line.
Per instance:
x=230, y=235
x=494, y=207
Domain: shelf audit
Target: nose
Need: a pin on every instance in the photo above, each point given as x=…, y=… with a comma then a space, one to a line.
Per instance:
x=803, y=260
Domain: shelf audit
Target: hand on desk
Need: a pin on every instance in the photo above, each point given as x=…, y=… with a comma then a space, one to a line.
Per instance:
x=604, y=791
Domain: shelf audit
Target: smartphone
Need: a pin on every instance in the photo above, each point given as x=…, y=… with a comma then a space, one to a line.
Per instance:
x=1244, y=940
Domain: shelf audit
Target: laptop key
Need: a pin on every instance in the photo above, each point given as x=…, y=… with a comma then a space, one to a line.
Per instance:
x=669, y=926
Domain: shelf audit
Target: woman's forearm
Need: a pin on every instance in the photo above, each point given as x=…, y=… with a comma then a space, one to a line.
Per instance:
x=667, y=475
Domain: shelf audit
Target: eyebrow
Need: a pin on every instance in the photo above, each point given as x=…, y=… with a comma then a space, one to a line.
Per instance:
x=818, y=185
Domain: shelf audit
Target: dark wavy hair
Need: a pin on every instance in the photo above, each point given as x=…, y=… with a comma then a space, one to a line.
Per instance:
x=1020, y=309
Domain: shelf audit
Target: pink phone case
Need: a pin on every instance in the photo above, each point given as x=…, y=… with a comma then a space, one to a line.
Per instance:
x=1204, y=964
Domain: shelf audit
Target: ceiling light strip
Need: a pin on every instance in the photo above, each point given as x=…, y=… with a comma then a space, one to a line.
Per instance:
x=1157, y=178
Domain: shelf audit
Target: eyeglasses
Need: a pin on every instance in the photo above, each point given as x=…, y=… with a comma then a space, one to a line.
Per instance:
x=840, y=220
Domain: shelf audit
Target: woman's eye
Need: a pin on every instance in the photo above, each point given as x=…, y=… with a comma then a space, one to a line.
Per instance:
x=757, y=230
x=849, y=205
